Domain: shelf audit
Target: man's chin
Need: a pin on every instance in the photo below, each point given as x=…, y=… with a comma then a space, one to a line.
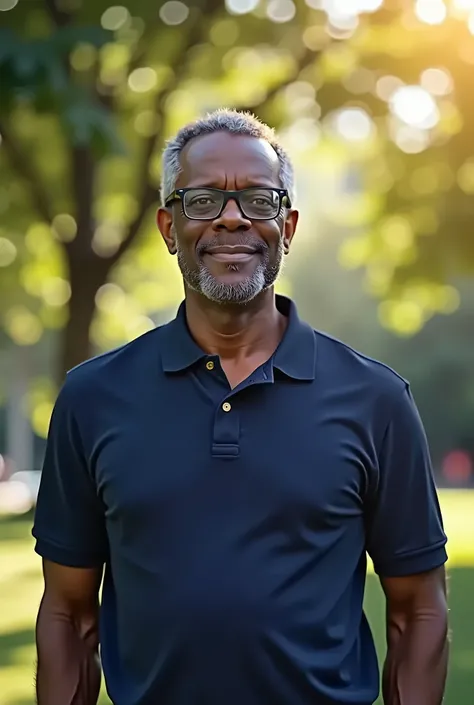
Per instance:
x=228, y=287
x=239, y=291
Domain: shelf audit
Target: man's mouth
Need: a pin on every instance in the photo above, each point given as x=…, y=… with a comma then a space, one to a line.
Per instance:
x=231, y=254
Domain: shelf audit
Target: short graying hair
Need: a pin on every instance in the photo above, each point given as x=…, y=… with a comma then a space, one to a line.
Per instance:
x=223, y=120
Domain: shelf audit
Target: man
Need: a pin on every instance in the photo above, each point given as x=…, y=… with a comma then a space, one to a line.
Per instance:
x=230, y=470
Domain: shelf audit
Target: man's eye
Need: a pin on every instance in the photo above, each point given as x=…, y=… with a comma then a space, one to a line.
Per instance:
x=201, y=200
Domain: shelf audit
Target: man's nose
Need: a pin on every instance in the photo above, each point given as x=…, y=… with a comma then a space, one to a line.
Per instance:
x=232, y=218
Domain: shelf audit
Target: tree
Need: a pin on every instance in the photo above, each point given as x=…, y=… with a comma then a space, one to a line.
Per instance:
x=89, y=92
x=415, y=214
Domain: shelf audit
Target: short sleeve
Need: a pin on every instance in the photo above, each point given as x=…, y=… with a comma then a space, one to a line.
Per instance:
x=69, y=524
x=405, y=532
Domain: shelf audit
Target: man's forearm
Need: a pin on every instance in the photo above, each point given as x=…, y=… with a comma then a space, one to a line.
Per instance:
x=417, y=660
x=68, y=671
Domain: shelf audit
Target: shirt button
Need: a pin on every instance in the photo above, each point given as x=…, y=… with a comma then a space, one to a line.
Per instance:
x=210, y=365
x=226, y=406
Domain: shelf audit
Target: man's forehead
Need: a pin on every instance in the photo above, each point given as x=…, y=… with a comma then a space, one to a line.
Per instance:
x=224, y=152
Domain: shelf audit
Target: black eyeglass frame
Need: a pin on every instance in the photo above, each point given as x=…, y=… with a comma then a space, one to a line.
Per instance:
x=178, y=195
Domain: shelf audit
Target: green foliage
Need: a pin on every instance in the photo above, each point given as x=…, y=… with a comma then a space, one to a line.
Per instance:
x=35, y=72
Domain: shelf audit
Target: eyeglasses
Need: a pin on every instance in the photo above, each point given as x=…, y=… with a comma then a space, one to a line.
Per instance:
x=208, y=203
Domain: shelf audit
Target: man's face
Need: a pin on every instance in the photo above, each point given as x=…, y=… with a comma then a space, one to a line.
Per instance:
x=229, y=259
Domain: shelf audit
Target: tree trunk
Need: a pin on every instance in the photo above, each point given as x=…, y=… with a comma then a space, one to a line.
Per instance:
x=85, y=281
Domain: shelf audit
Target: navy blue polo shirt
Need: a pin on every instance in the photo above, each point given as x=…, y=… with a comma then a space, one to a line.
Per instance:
x=234, y=524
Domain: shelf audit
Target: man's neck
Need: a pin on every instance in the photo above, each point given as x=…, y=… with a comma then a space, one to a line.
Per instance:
x=236, y=332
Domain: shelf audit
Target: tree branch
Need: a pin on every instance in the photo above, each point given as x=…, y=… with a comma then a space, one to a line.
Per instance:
x=82, y=171
x=59, y=17
x=26, y=170
x=82, y=178
x=307, y=57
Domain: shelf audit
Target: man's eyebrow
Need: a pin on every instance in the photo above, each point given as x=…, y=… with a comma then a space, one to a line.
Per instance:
x=251, y=184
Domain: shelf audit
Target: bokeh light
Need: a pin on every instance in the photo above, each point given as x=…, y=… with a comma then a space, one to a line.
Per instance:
x=7, y=5
x=281, y=10
x=241, y=7
x=411, y=140
x=414, y=106
x=436, y=81
x=23, y=327
x=457, y=466
x=56, y=291
x=341, y=8
x=224, y=32
x=174, y=12
x=386, y=86
x=83, y=57
x=342, y=26
x=114, y=17
x=107, y=238
x=64, y=227
x=431, y=11
x=354, y=124
x=142, y=80
x=465, y=177
x=8, y=252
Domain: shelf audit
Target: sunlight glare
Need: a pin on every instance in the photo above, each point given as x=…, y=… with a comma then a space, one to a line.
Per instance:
x=431, y=11
x=463, y=4
x=470, y=22
x=414, y=106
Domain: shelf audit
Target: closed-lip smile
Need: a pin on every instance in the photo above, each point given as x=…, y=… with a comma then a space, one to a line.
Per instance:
x=231, y=250
x=231, y=254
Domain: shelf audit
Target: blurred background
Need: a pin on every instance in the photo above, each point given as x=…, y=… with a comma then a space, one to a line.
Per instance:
x=373, y=101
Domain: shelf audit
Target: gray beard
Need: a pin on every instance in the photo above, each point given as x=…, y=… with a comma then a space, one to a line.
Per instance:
x=202, y=281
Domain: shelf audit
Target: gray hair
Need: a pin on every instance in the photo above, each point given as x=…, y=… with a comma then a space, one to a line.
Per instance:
x=223, y=120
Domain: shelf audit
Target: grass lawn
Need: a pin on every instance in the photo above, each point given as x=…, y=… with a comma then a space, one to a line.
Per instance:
x=20, y=589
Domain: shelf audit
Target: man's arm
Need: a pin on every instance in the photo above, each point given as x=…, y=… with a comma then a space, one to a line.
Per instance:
x=407, y=543
x=71, y=538
x=417, y=639
x=67, y=636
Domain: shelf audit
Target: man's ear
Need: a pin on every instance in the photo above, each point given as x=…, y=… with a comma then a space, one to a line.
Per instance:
x=164, y=220
x=289, y=229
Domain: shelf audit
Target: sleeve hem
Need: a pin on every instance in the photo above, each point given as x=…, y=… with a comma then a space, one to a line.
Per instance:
x=411, y=564
x=66, y=556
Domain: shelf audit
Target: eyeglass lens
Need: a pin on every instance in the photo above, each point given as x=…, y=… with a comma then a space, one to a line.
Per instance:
x=258, y=203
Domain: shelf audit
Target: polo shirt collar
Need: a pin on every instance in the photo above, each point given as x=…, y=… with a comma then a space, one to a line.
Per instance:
x=179, y=350
x=295, y=356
